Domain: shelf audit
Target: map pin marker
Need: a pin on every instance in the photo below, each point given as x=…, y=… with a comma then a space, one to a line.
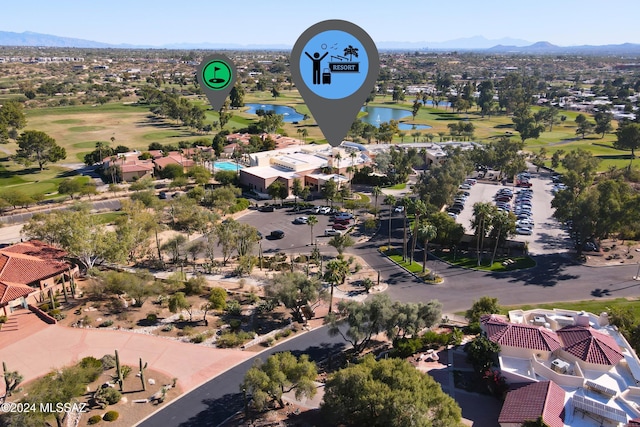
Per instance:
x=216, y=76
x=334, y=65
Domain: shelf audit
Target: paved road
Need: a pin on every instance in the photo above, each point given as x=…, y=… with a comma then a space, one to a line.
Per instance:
x=110, y=204
x=215, y=401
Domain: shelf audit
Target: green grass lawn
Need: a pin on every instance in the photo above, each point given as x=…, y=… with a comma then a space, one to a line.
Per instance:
x=497, y=266
x=108, y=217
x=32, y=180
x=414, y=267
x=593, y=306
x=400, y=186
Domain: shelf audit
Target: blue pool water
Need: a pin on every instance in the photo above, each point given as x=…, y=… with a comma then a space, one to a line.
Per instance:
x=290, y=115
x=226, y=166
x=377, y=115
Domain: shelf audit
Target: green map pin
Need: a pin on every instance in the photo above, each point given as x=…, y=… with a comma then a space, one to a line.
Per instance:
x=216, y=76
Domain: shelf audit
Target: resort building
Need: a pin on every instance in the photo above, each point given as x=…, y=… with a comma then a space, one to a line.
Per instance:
x=570, y=368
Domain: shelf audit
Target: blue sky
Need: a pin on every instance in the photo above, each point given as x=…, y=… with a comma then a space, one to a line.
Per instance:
x=158, y=22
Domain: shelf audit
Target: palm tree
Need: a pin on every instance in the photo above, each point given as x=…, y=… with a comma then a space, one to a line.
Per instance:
x=336, y=272
x=311, y=221
x=338, y=157
x=426, y=232
x=391, y=201
x=406, y=202
x=375, y=192
x=502, y=224
x=305, y=133
x=419, y=209
x=482, y=213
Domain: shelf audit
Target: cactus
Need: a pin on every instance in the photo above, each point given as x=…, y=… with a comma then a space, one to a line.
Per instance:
x=11, y=379
x=52, y=299
x=142, y=368
x=72, y=283
x=119, y=378
x=64, y=290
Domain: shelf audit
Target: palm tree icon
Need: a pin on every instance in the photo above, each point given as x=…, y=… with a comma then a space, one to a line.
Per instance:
x=351, y=51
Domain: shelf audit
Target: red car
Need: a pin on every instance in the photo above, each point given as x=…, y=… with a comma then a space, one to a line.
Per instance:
x=342, y=221
x=338, y=226
x=525, y=184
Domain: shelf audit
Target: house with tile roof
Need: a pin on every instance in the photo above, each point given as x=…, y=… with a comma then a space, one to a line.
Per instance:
x=579, y=353
x=28, y=272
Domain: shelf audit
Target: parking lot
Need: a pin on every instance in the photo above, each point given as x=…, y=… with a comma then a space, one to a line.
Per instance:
x=548, y=235
x=297, y=237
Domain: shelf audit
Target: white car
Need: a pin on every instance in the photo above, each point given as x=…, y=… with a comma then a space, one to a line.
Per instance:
x=399, y=209
x=332, y=232
x=343, y=215
x=524, y=231
x=325, y=210
x=301, y=220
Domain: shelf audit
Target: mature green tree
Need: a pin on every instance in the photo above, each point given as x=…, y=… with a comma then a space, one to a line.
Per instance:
x=38, y=147
x=341, y=242
x=236, y=96
x=415, y=108
x=485, y=305
x=78, y=233
x=584, y=128
x=12, y=115
x=278, y=190
x=364, y=320
x=389, y=393
x=199, y=174
x=222, y=198
x=485, y=99
x=525, y=124
x=329, y=191
x=72, y=186
x=281, y=373
x=175, y=247
x=172, y=171
x=295, y=290
x=482, y=353
x=408, y=319
x=603, y=123
x=503, y=224
x=628, y=138
x=178, y=302
x=296, y=189
x=376, y=192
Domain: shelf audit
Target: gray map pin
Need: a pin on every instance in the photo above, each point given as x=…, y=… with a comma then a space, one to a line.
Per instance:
x=216, y=76
x=334, y=64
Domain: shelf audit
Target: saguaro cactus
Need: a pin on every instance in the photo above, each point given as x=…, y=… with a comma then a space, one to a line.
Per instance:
x=142, y=368
x=119, y=376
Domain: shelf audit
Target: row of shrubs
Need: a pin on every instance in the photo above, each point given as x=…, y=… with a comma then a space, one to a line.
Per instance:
x=108, y=416
x=405, y=347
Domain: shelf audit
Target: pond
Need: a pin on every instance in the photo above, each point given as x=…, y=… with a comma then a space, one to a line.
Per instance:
x=290, y=115
x=377, y=115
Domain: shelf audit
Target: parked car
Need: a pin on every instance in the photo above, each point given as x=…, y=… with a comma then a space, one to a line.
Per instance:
x=399, y=209
x=277, y=234
x=338, y=226
x=452, y=215
x=523, y=183
x=325, y=210
x=343, y=215
x=332, y=232
x=465, y=187
x=266, y=208
x=163, y=195
x=524, y=231
x=301, y=220
x=342, y=221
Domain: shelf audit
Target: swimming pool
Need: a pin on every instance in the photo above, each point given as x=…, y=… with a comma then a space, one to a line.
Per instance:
x=227, y=166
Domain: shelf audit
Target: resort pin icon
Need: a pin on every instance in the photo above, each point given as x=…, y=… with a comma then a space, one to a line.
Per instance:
x=334, y=65
x=216, y=76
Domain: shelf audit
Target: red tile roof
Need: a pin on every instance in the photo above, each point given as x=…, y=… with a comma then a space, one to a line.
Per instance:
x=30, y=262
x=590, y=345
x=35, y=248
x=522, y=336
x=12, y=291
x=529, y=401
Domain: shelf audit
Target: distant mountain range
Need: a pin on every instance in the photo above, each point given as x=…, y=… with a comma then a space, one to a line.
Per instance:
x=477, y=43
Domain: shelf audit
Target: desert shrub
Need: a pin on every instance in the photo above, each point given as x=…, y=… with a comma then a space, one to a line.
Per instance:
x=152, y=318
x=253, y=298
x=234, y=308
x=240, y=205
x=434, y=338
x=108, y=361
x=109, y=394
x=405, y=347
x=57, y=314
x=233, y=339
x=197, y=339
x=45, y=307
x=94, y=419
x=234, y=324
x=106, y=324
x=186, y=331
x=90, y=362
x=111, y=416
x=167, y=328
